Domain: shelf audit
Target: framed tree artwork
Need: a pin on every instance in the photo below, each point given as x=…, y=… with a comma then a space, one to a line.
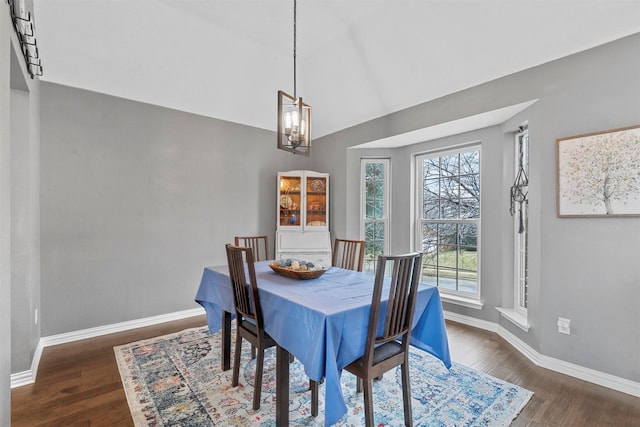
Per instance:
x=598, y=174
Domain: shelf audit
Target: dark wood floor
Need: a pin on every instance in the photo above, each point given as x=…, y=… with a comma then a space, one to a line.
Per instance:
x=78, y=384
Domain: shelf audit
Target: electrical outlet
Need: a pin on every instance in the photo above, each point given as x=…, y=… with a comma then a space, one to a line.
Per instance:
x=564, y=326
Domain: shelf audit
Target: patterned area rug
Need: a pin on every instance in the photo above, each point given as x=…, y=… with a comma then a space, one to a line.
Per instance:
x=176, y=380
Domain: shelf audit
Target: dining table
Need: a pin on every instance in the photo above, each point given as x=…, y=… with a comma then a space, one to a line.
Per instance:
x=322, y=322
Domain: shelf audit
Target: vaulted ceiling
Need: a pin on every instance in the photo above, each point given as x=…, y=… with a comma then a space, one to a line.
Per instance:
x=356, y=59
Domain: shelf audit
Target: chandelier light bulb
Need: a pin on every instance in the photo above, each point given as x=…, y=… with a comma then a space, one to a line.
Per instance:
x=287, y=122
x=302, y=127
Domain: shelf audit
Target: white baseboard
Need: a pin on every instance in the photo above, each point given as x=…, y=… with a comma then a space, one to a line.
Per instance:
x=471, y=321
x=29, y=377
x=596, y=377
x=22, y=378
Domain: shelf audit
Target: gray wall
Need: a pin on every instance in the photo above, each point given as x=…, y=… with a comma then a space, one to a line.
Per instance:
x=582, y=269
x=25, y=228
x=5, y=216
x=19, y=212
x=137, y=199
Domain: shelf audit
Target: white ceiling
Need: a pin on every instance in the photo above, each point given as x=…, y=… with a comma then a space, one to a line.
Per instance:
x=356, y=59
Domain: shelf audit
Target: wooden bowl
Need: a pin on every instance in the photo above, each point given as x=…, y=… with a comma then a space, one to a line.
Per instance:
x=296, y=274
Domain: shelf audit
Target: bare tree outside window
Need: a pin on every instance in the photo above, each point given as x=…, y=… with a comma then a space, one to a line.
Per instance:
x=450, y=214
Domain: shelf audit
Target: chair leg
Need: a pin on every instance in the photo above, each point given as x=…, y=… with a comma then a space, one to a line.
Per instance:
x=358, y=385
x=253, y=351
x=406, y=395
x=313, y=385
x=257, y=385
x=236, y=361
x=368, y=402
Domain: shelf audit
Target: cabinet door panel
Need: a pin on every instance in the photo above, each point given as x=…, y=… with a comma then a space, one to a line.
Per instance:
x=290, y=201
x=316, y=201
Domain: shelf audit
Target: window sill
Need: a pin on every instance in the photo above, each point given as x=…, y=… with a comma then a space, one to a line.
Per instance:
x=516, y=318
x=460, y=300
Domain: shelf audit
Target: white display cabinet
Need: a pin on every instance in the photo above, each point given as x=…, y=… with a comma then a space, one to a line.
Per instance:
x=303, y=217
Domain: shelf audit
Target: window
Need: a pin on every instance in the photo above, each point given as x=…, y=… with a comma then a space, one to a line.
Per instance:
x=448, y=213
x=520, y=212
x=374, y=208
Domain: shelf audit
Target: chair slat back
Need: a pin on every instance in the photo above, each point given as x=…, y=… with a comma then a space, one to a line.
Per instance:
x=245, y=293
x=259, y=245
x=348, y=254
x=406, y=272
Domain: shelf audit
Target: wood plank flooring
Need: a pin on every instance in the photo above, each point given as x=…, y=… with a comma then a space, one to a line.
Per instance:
x=78, y=384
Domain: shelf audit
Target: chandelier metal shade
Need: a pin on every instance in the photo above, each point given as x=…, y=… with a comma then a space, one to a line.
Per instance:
x=294, y=116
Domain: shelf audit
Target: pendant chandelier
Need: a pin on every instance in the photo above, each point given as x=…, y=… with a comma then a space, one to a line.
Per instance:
x=294, y=116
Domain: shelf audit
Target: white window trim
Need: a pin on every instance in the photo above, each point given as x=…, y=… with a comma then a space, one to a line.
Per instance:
x=457, y=299
x=517, y=289
x=448, y=295
x=518, y=315
x=387, y=200
x=517, y=240
x=514, y=317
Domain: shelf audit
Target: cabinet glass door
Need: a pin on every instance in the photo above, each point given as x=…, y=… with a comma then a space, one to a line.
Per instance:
x=290, y=201
x=316, y=203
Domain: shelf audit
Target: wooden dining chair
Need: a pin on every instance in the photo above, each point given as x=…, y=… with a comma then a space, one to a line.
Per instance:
x=249, y=322
x=260, y=247
x=259, y=244
x=389, y=348
x=348, y=254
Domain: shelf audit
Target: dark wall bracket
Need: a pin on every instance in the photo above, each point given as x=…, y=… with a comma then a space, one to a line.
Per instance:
x=27, y=38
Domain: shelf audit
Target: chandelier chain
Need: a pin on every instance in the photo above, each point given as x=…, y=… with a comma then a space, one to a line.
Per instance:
x=294, y=116
x=295, y=96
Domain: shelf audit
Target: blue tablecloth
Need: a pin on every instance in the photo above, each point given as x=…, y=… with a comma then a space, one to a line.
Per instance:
x=323, y=322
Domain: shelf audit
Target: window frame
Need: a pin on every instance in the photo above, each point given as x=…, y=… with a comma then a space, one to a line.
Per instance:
x=385, y=220
x=521, y=240
x=451, y=295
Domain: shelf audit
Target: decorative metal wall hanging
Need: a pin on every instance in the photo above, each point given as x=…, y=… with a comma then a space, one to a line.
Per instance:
x=519, y=189
x=27, y=38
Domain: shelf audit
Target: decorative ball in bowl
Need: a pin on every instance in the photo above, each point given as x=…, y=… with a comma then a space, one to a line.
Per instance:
x=295, y=269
